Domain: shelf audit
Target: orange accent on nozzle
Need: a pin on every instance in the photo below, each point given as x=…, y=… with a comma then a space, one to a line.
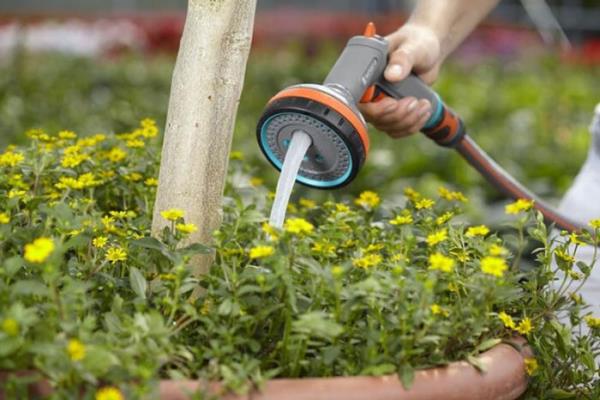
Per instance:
x=330, y=101
x=370, y=30
x=368, y=95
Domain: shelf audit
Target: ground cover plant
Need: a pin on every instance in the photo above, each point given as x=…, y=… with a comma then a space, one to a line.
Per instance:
x=91, y=302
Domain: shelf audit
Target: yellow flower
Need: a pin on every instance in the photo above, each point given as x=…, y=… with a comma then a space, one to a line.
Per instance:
x=370, y=260
x=83, y=181
x=206, y=307
x=38, y=134
x=373, y=247
x=115, y=254
x=172, y=214
x=337, y=271
x=107, y=174
x=135, y=143
x=151, y=182
x=435, y=309
x=592, y=322
x=398, y=257
x=324, y=248
x=574, y=275
x=4, y=218
x=561, y=254
x=412, y=194
x=100, y=242
x=442, y=219
x=10, y=327
x=261, y=251
x=461, y=255
x=440, y=262
x=307, y=203
x=524, y=326
x=270, y=231
x=119, y=214
x=236, y=155
x=497, y=250
x=424, y=204
x=451, y=196
x=76, y=350
x=298, y=226
x=480, y=230
x=67, y=135
x=116, y=154
x=403, y=218
x=87, y=180
x=255, y=181
x=16, y=193
x=90, y=141
x=16, y=180
x=437, y=237
x=11, y=159
x=73, y=159
x=453, y=287
x=574, y=239
x=493, y=266
x=133, y=177
x=186, y=228
x=109, y=393
x=108, y=223
x=531, y=365
x=519, y=206
x=368, y=199
x=507, y=320
x=38, y=251
x=595, y=223
x=341, y=208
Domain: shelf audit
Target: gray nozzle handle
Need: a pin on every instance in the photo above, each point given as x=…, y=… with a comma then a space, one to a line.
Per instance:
x=411, y=86
x=359, y=66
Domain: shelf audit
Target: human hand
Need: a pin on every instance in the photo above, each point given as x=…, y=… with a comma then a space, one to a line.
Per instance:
x=412, y=48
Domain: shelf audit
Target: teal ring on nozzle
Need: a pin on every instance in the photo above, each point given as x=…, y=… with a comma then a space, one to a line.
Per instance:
x=437, y=114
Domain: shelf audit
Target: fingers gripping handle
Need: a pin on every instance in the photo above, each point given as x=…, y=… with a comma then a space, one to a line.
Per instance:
x=444, y=126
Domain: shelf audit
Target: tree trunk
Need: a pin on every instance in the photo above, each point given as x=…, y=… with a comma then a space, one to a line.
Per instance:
x=205, y=93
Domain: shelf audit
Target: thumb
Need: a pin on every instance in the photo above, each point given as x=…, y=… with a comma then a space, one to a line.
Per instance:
x=400, y=64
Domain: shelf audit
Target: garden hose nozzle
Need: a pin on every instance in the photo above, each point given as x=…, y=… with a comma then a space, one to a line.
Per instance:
x=328, y=113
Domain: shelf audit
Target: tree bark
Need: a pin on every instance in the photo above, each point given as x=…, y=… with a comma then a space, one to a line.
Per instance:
x=205, y=92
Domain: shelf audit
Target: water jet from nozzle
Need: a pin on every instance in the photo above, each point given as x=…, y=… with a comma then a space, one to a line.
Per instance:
x=294, y=156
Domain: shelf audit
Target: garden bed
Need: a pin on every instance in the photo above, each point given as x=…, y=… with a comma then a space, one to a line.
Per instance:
x=357, y=293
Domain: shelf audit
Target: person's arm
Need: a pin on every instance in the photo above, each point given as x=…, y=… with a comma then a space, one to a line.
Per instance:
x=434, y=30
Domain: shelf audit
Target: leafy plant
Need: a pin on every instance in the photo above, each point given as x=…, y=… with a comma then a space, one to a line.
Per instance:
x=95, y=305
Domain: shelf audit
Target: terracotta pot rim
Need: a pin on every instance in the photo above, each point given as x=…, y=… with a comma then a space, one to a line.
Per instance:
x=504, y=378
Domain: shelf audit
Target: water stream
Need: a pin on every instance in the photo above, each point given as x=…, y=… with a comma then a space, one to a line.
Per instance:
x=293, y=158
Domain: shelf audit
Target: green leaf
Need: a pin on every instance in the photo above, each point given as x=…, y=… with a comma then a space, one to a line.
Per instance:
x=30, y=288
x=154, y=244
x=13, y=265
x=138, y=282
x=379, y=370
x=487, y=344
x=317, y=324
x=195, y=248
x=562, y=394
x=476, y=362
x=225, y=307
x=149, y=243
x=406, y=375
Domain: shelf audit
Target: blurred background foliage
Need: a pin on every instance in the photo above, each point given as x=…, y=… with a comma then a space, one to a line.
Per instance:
x=530, y=113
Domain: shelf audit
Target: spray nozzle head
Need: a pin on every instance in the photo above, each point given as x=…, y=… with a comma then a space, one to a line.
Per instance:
x=337, y=131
